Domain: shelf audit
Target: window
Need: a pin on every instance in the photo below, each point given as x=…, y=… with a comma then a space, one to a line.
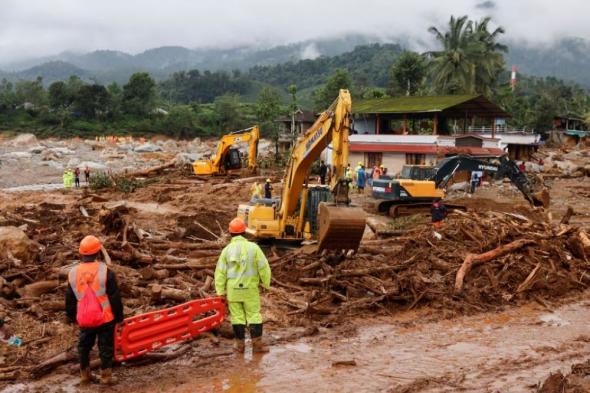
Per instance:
x=373, y=159
x=415, y=159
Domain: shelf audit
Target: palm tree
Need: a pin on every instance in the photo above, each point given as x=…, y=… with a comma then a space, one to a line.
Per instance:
x=470, y=58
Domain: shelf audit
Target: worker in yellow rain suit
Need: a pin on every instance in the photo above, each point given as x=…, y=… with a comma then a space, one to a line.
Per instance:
x=241, y=268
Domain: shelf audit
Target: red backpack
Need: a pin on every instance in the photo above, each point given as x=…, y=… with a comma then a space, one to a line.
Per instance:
x=90, y=313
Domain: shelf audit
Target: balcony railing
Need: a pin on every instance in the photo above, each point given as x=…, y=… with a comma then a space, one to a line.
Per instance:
x=500, y=130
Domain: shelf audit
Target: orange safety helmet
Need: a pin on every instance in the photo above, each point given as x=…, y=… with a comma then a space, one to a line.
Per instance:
x=90, y=245
x=237, y=226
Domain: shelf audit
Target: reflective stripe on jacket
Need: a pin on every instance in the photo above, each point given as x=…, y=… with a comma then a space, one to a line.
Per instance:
x=241, y=267
x=93, y=274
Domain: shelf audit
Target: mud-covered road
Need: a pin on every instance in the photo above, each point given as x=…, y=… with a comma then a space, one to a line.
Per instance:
x=510, y=351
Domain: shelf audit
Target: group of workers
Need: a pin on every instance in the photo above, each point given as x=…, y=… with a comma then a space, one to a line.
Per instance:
x=72, y=178
x=93, y=299
x=361, y=176
x=258, y=191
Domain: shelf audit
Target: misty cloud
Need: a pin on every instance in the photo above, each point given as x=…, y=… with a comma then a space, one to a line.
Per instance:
x=35, y=28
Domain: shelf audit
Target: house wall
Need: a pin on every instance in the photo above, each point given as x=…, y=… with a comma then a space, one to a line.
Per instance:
x=394, y=162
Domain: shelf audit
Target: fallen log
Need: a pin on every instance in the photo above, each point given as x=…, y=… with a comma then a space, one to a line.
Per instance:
x=148, y=171
x=51, y=363
x=159, y=293
x=475, y=259
x=37, y=289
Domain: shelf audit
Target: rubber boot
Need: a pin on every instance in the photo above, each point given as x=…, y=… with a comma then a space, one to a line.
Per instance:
x=258, y=346
x=239, y=338
x=239, y=345
x=256, y=334
x=106, y=377
x=86, y=376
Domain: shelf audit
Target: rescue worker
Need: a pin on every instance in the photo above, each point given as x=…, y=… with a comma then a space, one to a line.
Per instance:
x=360, y=178
x=256, y=191
x=323, y=172
x=377, y=172
x=93, y=273
x=348, y=172
x=87, y=174
x=438, y=212
x=241, y=268
x=268, y=189
x=77, y=177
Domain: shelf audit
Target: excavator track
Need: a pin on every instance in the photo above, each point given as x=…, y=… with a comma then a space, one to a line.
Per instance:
x=340, y=227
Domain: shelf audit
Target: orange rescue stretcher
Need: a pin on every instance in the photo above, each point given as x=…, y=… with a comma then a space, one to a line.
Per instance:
x=147, y=332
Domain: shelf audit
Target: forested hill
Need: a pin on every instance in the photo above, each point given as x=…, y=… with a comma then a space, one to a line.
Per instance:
x=305, y=63
x=368, y=65
x=568, y=59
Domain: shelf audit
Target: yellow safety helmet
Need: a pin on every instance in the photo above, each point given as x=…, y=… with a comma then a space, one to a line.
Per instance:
x=360, y=163
x=268, y=180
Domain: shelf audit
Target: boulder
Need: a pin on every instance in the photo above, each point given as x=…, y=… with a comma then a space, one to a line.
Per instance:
x=92, y=165
x=37, y=149
x=169, y=146
x=15, y=242
x=24, y=140
x=17, y=155
x=147, y=148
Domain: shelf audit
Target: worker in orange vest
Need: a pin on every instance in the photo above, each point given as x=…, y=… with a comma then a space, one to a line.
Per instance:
x=94, y=302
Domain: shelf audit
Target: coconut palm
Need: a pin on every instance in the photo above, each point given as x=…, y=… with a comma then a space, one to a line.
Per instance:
x=470, y=58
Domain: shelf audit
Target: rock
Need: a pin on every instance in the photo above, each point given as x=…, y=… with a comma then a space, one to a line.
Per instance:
x=14, y=241
x=49, y=155
x=147, y=148
x=92, y=165
x=169, y=146
x=17, y=155
x=24, y=140
x=183, y=159
x=61, y=151
x=73, y=162
x=37, y=149
x=587, y=170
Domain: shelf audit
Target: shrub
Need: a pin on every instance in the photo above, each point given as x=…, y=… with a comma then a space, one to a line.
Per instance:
x=100, y=180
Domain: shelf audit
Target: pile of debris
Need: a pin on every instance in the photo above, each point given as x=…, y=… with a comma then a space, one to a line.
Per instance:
x=575, y=382
x=477, y=262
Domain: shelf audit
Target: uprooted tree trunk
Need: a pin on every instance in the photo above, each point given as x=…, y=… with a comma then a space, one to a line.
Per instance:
x=475, y=259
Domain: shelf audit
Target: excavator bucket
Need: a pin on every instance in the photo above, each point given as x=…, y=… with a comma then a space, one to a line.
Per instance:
x=340, y=227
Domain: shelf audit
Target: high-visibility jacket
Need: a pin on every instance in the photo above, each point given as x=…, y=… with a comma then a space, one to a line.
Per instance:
x=241, y=268
x=93, y=275
x=256, y=191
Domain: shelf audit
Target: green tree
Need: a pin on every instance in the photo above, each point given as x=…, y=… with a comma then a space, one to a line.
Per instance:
x=31, y=92
x=139, y=94
x=181, y=122
x=228, y=114
x=407, y=73
x=7, y=96
x=268, y=109
x=324, y=96
x=59, y=96
x=92, y=101
x=470, y=59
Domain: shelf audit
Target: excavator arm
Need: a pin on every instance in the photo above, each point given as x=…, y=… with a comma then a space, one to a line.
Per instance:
x=215, y=165
x=503, y=167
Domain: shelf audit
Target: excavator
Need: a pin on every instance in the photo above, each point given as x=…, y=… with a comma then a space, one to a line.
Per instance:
x=306, y=212
x=227, y=158
x=407, y=195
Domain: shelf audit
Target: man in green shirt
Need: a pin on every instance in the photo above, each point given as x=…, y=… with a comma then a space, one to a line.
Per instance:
x=241, y=268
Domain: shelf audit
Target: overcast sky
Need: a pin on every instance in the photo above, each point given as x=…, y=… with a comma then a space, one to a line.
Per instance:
x=33, y=28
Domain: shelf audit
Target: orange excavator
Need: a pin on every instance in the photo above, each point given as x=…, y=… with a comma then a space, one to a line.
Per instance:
x=227, y=157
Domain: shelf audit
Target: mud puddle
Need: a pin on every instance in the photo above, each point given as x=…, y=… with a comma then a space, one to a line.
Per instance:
x=510, y=351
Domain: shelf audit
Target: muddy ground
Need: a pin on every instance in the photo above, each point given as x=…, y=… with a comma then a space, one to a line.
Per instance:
x=331, y=326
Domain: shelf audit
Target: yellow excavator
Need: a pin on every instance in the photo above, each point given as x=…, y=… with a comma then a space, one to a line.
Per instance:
x=227, y=158
x=305, y=212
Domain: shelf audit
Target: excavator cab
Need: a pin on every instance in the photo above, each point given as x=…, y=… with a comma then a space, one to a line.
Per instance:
x=232, y=160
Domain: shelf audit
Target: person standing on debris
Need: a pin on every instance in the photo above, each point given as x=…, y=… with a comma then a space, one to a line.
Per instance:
x=77, y=177
x=323, y=172
x=268, y=189
x=94, y=302
x=87, y=174
x=256, y=191
x=377, y=172
x=360, y=178
x=438, y=212
x=474, y=182
x=522, y=167
x=241, y=268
